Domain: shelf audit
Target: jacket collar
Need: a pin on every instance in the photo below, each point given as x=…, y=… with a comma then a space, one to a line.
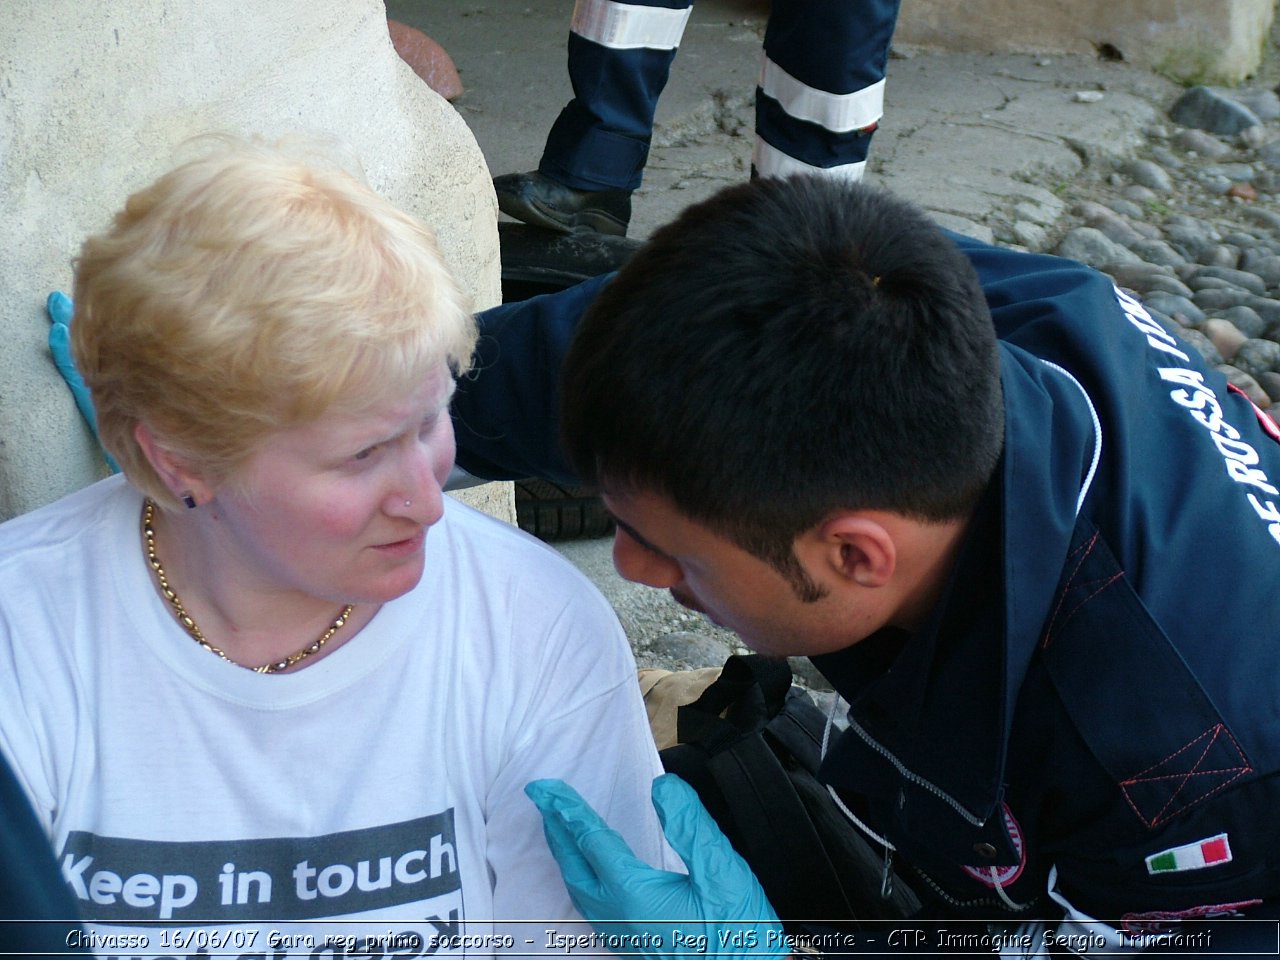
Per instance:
x=942, y=707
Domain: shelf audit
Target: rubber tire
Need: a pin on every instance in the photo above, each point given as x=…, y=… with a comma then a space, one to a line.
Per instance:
x=537, y=261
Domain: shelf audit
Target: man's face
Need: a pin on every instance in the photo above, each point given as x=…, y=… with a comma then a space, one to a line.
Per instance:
x=659, y=546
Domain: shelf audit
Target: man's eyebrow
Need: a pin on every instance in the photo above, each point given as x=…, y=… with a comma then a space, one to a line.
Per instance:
x=635, y=535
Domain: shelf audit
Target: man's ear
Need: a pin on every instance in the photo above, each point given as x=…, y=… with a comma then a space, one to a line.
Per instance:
x=181, y=479
x=859, y=548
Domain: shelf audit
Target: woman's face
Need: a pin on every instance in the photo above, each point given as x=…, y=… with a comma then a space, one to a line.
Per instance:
x=338, y=508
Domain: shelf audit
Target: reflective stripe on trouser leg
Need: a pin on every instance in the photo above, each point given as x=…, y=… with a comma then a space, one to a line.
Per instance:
x=620, y=55
x=821, y=89
x=624, y=26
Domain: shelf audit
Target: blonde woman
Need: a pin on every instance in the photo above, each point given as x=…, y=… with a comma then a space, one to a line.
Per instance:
x=270, y=676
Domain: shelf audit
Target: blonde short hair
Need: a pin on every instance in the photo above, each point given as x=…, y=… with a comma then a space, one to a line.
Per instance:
x=250, y=290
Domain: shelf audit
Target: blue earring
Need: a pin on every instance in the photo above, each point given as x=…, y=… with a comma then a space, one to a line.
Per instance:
x=189, y=500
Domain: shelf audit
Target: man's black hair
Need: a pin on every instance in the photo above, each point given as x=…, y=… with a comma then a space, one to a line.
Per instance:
x=783, y=350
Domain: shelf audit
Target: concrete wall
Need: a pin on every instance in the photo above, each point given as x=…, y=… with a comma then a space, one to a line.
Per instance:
x=1213, y=41
x=94, y=98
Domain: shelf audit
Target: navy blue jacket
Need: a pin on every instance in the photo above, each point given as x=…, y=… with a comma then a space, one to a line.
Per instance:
x=1097, y=693
x=38, y=916
x=1098, y=688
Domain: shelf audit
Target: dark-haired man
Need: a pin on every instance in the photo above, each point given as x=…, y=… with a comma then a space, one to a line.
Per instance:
x=1027, y=533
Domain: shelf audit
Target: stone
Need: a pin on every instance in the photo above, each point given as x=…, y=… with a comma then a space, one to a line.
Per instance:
x=1167, y=284
x=1092, y=212
x=1137, y=193
x=1202, y=144
x=1145, y=278
x=1165, y=157
x=1175, y=325
x=1247, y=383
x=1119, y=230
x=1203, y=345
x=1126, y=208
x=1267, y=308
x=426, y=58
x=1266, y=218
x=1030, y=235
x=1044, y=209
x=1198, y=283
x=686, y=649
x=1230, y=171
x=1214, y=299
x=1190, y=238
x=1247, y=242
x=1225, y=337
x=1246, y=320
x=1243, y=191
x=1187, y=220
x=1091, y=246
x=1215, y=185
x=1256, y=356
x=1149, y=174
x=1263, y=103
x=1148, y=230
x=1267, y=180
x=1136, y=275
x=1175, y=307
x=1158, y=252
x=1261, y=264
x=1269, y=152
x=1219, y=255
x=1269, y=381
x=1251, y=138
x=1239, y=278
x=1204, y=109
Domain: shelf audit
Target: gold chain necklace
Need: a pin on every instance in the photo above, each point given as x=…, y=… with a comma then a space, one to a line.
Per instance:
x=184, y=618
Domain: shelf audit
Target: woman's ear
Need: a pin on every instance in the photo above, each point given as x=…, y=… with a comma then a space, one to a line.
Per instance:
x=182, y=480
x=860, y=549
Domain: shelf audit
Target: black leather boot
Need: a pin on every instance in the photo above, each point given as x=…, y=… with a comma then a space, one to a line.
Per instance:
x=536, y=199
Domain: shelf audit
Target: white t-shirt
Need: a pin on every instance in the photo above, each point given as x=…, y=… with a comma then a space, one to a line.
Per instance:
x=198, y=804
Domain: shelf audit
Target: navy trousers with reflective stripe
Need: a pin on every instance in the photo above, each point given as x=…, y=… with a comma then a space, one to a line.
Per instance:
x=825, y=50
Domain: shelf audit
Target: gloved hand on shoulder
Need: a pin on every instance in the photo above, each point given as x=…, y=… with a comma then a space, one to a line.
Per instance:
x=718, y=908
x=61, y=311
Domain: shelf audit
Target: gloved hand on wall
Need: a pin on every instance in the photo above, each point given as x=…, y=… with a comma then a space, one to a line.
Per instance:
x=61, y=311
x=717, y=908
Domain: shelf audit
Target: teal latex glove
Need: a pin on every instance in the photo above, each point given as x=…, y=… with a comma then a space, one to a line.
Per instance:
x=718, y=909
x=61, y=311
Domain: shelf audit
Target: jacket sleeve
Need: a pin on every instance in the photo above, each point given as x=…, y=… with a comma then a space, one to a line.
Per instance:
x=1031, y=295
x=506, y=412
x=31, y=888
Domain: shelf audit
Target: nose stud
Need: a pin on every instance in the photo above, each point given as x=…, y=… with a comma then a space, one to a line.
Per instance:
x=408, y=503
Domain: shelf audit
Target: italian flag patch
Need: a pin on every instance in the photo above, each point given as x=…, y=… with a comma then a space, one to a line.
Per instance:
x=1191, y=856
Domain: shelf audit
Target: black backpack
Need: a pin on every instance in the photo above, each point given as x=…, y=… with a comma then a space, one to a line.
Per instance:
x=750, y=746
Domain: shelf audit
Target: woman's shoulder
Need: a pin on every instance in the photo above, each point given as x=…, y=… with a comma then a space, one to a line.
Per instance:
x=472, y=527
x=539, y=607
x=70, y=520
x=507, y=554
